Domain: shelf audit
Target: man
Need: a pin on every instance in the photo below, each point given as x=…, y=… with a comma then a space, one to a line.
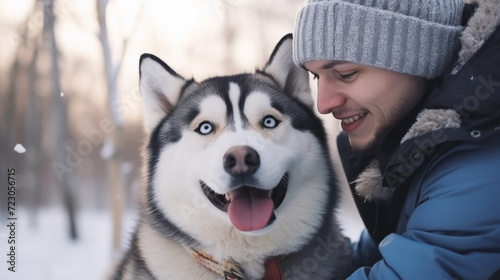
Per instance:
x=418, y=97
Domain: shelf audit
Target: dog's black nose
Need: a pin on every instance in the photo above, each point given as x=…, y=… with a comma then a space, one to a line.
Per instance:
x=241, y=160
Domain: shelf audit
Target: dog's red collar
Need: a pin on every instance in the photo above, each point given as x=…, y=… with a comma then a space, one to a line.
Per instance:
x=231, y=270
x=273, y=270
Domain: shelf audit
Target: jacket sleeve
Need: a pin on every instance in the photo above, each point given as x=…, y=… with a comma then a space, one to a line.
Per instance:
x=365, y=251
x=454, y=229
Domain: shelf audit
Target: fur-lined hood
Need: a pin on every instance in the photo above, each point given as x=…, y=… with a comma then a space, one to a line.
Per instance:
x=370, y=184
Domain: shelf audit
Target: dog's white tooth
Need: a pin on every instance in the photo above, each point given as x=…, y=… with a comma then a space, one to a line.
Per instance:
x=228, y=197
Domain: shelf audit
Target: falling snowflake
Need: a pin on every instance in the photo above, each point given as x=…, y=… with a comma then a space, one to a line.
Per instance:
x=62, y=94
x=20, y=149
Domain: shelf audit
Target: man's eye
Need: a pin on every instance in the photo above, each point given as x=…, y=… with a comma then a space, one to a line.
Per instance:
x=205, y=128
x=348, y=77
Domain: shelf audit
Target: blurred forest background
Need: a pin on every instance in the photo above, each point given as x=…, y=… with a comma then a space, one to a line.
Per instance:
x=71, y=113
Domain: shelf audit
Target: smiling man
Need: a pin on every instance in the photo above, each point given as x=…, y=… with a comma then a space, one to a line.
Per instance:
x=416, y=87
x=366, y=99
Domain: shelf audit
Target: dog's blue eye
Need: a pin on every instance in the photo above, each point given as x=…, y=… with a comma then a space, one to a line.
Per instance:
x=205, y=128
x=270, y=122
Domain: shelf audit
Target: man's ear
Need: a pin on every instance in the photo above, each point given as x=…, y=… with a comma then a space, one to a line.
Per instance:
x=160, y=89
x=293, y=79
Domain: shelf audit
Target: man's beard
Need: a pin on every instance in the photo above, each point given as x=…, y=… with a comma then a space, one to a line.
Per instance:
x=388, y=137
x=370, y=149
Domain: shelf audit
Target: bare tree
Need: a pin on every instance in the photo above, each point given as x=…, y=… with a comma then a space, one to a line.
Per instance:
x=59, y=119
x=8, y=113
x=115, y=160
x=32, y=136
x=9, y=126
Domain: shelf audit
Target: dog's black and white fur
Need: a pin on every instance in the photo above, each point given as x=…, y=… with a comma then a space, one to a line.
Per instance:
x=237, y=167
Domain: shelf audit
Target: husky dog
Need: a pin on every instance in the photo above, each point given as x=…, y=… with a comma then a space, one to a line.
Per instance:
x=238, y=180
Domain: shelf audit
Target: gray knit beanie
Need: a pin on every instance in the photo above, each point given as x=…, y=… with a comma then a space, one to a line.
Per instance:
x=416, y=37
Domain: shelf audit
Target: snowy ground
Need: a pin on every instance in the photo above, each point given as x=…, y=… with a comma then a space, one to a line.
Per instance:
x=46, y=253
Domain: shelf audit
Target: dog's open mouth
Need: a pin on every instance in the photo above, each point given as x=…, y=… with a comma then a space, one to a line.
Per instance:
x=249, y=208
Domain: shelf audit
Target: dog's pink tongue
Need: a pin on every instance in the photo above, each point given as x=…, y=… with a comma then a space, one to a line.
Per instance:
x=250, y=208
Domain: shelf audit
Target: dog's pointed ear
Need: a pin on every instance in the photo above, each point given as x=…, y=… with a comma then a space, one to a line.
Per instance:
x=160, y=89
x=293, y=79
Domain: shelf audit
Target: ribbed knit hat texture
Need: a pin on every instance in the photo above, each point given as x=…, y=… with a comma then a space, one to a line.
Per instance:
x=416, y=37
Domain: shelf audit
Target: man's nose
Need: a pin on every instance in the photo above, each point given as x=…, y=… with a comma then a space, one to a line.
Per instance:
x=330, y=96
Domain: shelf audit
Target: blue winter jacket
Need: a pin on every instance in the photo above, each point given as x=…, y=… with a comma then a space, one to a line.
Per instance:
x=450, y=222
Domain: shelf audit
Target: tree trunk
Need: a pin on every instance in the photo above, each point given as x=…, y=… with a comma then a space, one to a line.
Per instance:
x=114, y=161
x=59, y=118
x=32, y=136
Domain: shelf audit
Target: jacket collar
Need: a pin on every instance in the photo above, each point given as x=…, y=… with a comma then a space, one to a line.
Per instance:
x=479, y=28
x=370, y=183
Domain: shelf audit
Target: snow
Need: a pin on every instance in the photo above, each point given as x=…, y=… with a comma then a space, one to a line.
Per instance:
x=350, y=223
x=127, y=168
x=107, y=150
x=20, y=148
x=45, y=252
